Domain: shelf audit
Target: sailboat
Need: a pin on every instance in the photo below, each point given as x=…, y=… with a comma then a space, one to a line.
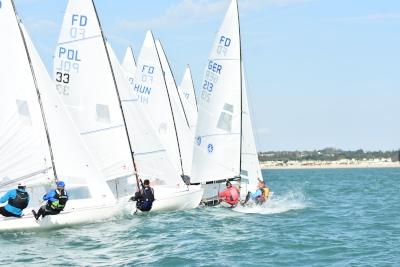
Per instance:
x=224, y=144
x=39, y=143
x=94, y=100
x=188, y=96
x=150, y=94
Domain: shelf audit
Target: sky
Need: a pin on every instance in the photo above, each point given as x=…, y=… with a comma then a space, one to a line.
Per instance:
x=320, y=73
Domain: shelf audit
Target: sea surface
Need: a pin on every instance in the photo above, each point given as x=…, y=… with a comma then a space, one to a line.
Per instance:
x=327, y=217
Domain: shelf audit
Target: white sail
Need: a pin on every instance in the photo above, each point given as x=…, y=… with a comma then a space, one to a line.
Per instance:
x=24, y=148
x=84, y=80
x=250, y=168
x=150, y=91
x=188, y=97
x=71, y=159
x=129, y=62
x=184, y=133
x=150, y=155
x=218, y=135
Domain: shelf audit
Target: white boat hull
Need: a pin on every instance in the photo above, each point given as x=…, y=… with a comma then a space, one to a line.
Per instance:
x=173, y=199
x=168, y=199
x=76, y=212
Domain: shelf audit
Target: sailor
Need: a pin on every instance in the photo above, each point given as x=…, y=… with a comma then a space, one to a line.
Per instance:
x=18, y=199
x=144, y=198
x=56, y=200
x=231, y=194
x=261, y=194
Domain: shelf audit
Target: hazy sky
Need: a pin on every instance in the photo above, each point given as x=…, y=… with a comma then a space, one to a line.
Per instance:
x=320, y=73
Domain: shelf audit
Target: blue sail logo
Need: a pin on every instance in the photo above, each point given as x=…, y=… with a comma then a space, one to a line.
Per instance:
x=210, y=148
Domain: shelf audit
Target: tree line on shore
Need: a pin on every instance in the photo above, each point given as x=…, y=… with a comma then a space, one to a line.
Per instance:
x=327, y=154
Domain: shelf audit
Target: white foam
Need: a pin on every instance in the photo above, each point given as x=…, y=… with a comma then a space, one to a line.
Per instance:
x=277, y=204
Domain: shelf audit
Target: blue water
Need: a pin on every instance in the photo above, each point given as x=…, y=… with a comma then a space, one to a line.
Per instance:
x=347, y=217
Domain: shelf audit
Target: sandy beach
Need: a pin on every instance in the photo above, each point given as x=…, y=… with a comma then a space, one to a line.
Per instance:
x=327, y=165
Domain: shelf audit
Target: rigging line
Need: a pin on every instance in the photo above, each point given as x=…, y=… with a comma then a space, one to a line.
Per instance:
x=37, y=91
x=119, y=99
x=172, y=111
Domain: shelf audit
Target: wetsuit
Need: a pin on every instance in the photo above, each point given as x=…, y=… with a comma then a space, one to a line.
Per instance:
x=144, y=200
x=56, y=201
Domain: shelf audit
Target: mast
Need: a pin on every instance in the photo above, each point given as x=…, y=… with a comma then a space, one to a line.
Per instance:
x=37, y=92
x=119, y=100
x=241, y=93
x=170, y=105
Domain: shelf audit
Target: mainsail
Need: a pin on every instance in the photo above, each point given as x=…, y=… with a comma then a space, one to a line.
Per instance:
x=129, y=62
x=150, y=90
x=188, y=97
x=35, y=106
x=217, y=149
x=86, y=84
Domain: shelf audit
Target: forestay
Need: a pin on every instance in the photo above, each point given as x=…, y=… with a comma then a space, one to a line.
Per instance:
x=85, y=82
x=217, y=149
x=184, y=133
x=188, y=97
x=150, y=155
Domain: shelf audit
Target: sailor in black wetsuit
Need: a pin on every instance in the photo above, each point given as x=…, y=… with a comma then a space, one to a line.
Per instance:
x=56, y=200
x=144, y=198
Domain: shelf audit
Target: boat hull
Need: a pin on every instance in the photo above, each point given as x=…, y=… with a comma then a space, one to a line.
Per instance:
x=173, y=199
x=76, y=212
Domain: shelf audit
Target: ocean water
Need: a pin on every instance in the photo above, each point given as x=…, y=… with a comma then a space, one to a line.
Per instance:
x=338, y=217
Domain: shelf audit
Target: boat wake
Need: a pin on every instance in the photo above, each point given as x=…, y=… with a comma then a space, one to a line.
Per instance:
x=277, y=204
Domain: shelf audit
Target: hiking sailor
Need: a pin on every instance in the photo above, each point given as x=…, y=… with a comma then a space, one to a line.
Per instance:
x=18, y=199
x=261, y=194
x=56, y=200
x=144, y=198
x=231, y=194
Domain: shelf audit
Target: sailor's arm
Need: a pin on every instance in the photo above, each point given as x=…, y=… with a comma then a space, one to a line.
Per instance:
x=6, y=197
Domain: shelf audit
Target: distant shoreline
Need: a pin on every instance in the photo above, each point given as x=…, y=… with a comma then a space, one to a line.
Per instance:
x=327, y=165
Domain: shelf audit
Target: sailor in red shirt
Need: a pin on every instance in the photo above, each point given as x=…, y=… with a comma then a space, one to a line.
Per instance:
x=231, y=195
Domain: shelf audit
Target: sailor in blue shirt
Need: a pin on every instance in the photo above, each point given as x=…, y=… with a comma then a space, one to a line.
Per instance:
x=18, y=199
x=56, y=200
x=261, y=194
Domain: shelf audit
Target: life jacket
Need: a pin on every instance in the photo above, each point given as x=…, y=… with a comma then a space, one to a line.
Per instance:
x=62, y=199
x=20, y=201
x=148, y=194
x=145, y=203
x=264, y=195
